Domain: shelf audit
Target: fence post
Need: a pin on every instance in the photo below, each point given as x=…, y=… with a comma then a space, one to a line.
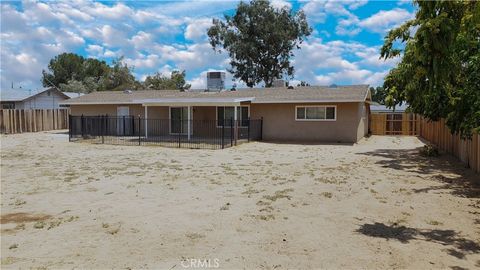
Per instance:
x=231, y=132
x=223, y=134
x=248, y=130
x=103, y=128
x=69, y=127
x=106, y=124
x=82, y=126
x=139, y=133
x=261, y=128
x=179, y=132
x=124, y=125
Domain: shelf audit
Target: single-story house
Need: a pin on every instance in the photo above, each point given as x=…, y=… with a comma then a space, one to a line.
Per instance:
x=19, y=98
x=306, y=114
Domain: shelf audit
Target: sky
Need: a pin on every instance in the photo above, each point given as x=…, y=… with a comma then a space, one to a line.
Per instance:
x=161, y=36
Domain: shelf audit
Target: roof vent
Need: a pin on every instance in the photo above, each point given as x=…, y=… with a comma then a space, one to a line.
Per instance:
x=127, y=91
x=332, y=86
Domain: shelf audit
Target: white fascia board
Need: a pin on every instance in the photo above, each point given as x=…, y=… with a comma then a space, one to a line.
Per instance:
x=99, y=103
x=193, y=101
x=307, y=101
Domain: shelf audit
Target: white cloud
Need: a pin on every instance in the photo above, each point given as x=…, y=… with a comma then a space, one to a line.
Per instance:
x=197, y=29
x=315, y=11
x=280, y=4
x=116, y=12
x=354, y=4
x=94, y=50
x=385, y=20
x=142, y=40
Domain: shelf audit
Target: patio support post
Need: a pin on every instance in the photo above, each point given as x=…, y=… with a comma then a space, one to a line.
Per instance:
x=188, y=121
x=146, y=122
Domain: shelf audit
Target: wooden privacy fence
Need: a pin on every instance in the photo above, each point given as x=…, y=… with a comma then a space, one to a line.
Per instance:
x=468, y=151
x=394, y=124
x=18, y=121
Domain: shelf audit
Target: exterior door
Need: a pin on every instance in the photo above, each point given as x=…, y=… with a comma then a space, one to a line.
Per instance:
x=179, y=120
x=124, y=121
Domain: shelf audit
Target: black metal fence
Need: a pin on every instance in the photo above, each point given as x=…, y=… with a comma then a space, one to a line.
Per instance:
x=129, y=130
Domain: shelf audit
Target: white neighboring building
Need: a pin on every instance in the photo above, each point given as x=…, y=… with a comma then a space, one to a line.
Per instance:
x=48, y=98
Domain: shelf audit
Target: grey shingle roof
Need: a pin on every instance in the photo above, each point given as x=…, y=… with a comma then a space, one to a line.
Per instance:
x=16, y=94
x=20, y=94
x=350, y=93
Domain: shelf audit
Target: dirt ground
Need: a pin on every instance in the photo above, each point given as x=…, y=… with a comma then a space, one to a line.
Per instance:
x=376, y=204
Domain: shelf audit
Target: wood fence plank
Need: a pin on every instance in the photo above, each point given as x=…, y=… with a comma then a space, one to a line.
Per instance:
x=18, y=121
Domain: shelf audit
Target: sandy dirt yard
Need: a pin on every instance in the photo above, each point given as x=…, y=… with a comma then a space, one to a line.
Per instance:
x=376, y=204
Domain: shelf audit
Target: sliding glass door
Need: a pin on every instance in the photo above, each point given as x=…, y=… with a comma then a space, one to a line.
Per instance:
x=179, y=120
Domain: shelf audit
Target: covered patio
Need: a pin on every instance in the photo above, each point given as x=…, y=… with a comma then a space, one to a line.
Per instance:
x=213, y=123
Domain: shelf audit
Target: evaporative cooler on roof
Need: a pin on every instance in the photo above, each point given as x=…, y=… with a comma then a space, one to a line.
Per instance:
x=215, y=81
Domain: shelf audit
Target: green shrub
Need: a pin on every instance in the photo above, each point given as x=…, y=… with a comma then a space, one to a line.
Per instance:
x=429, y=150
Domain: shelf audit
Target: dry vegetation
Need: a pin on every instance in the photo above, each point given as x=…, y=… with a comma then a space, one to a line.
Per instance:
x=376, y=204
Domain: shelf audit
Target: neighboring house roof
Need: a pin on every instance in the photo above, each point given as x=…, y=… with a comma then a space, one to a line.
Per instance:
x=351, y=93
x=383, y=109
x=20, y=94
x=73, y=94
x=16, y=94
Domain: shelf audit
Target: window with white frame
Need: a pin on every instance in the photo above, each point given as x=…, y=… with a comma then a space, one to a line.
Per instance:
x=225, y=114
x=316, y=113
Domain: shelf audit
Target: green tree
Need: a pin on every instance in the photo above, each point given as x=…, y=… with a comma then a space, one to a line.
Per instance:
x=63, y=68
x=74, y=73
x=159, y=81
x=438, y=74
x=260, y=40
x=120, y=77
x=74, y=86
x=378, y=94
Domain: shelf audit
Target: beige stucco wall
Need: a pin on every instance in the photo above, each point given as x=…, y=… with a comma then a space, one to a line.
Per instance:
x=279, y=123
x=95, y=110
x=278, y=120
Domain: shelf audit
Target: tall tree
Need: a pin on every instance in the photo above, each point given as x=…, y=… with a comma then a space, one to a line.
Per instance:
x=120, y=77
x=439, y=73
x=73, y=73
x=260, y=40
x=159, y=81
x=63, y=68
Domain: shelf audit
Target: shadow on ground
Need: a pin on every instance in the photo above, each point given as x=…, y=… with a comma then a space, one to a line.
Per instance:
x=457, y=246
x=445, y=169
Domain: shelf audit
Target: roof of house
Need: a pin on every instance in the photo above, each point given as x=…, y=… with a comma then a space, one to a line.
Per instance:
x=351, y=93
x=20, y=94
x=384, y=109
x=73, y=94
